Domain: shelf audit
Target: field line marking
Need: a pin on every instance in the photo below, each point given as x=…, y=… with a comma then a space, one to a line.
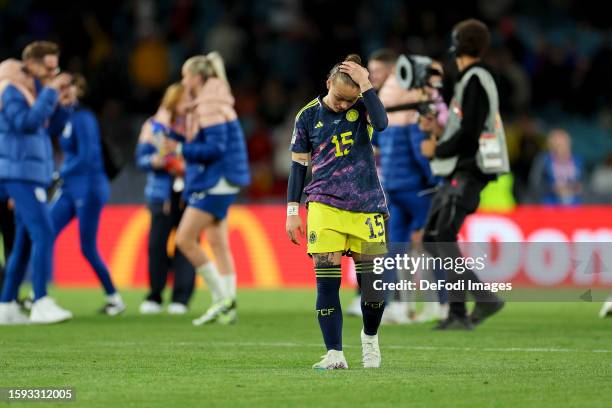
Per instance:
x=384, y=346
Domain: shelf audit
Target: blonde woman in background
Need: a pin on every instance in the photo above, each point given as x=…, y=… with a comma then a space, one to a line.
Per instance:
x=216, y=168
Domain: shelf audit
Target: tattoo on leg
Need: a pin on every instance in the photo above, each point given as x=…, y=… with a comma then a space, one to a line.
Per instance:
x=324, y=260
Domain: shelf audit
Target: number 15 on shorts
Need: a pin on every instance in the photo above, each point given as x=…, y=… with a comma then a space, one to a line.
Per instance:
x=378, y=223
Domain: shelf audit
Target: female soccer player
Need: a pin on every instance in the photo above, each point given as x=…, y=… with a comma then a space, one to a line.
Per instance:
x=85, y=189
x=346, y=204
x=163, y=194
x=217, y=166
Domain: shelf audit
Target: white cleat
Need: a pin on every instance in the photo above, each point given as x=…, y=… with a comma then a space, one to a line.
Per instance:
x=333, y=360
x=370, y=351
x=10, y=313
x=46, y=311
x=606, y=309
x=354, y=308
x=213, y=312
x=149, y=307
x=396, y=313
x=114, y=305
x=176, y=308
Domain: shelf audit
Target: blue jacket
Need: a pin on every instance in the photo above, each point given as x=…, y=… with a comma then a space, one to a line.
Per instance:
x=159, y=182
x=217, y=151
x=25, y=145
x=82, y=147
x=402, y=165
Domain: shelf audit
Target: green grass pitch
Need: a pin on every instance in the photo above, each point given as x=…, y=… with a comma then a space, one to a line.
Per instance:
x=531, y=354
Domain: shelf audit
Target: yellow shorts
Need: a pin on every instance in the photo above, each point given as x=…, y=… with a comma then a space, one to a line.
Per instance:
x=332, y=229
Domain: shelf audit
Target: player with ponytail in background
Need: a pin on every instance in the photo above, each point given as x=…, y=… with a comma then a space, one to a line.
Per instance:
x=216, y=167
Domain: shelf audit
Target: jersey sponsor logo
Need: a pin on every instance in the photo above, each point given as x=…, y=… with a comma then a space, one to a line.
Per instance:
x=41, y=194
x=312, y=237
x=352, y=115
x=319, y=125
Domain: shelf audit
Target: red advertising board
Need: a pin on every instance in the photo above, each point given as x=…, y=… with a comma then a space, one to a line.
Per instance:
x=265, y=258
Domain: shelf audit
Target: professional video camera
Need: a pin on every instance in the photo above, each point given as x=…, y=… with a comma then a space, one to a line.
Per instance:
x=416, y=71
x=413, y=72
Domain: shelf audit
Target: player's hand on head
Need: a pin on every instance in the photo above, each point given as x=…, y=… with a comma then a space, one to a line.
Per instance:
x=358, y=73
x=294, y=228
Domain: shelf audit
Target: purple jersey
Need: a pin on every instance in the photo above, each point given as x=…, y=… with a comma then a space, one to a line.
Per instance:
x=343, y=170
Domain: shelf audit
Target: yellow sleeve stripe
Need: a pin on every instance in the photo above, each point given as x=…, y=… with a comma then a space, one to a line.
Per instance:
x=309, y=105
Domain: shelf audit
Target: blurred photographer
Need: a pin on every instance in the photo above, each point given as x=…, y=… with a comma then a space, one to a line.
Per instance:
x=470, y=152
x=404, y=172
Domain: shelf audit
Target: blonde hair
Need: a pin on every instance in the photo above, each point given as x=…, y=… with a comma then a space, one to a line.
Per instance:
x=208, y=66
x=172, y=98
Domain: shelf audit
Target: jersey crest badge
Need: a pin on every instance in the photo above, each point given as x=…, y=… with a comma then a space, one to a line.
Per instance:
x=352, y=115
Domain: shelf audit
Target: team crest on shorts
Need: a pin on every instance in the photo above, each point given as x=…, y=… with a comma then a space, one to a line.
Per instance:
x=352, y=115
x=312, y=237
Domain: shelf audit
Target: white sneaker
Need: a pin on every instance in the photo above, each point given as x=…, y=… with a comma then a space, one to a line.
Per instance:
x=149, y=307
x=114, y=305
x=370, y=351
x=10, y=313
x=354, y=308
x=176, y=308
x=606, y=309
x=213, y=312
x=46, y=311
x=396, y=313
x=333, y=360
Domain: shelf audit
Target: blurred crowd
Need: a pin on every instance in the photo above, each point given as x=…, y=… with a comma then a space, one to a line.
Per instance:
x=553, y=60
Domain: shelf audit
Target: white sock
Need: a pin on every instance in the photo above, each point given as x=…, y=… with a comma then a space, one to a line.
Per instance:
x=230, y=284
x=114, y=298
x=214, y=281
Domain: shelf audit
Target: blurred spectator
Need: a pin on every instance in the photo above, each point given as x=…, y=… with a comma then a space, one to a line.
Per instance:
x=601, y=181
x=556, y=174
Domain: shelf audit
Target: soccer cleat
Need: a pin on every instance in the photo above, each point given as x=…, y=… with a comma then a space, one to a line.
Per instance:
x=333, y=360
x=176, y=308
x=149, y=307
x=354, y=308
x=370, y=352
x=46, y=311
x=10, y=313
x=606, y=309
x=453, y=322
x=230, y=316
x=484, y=310
x=213, y=312
x=396, y=313
x=113, y=308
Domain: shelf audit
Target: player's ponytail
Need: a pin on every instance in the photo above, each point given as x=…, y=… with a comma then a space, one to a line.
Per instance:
x=336, y=75
x=207, y=66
